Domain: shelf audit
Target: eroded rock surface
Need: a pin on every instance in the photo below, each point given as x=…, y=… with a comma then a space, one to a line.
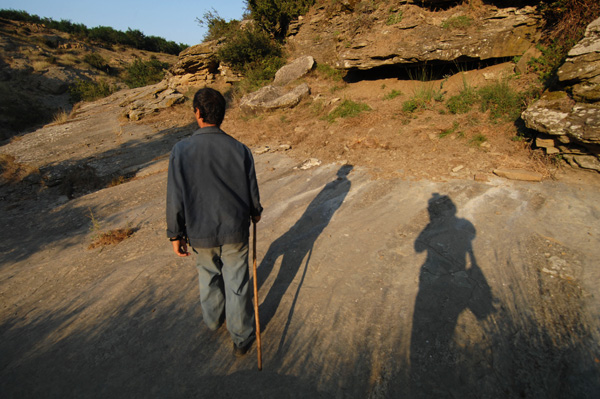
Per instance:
x=573, y=123
x=150, y=99
x=199, y=64
x=582, y=67
x=274, y=97
x=356, y=36
x=295, y=70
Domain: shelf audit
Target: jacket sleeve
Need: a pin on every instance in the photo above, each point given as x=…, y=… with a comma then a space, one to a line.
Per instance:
x=256, y=208
x=175, y=195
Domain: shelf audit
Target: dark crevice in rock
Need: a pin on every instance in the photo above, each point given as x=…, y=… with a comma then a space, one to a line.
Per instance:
x=422, y=72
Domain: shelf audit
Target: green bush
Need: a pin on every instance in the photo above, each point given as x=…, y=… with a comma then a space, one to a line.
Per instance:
x=89, y=90
x=501, y=100
x=216, y=26
x=347, y=109
x=95, y=60
x=260, y=73
x=143, y=73
x=463, y=101
x=248, y=48
x=274, y=16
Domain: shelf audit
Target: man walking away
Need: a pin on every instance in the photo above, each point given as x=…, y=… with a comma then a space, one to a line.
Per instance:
x=212, y=194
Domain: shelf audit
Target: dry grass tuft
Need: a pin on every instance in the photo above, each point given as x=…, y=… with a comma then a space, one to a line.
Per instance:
x=60, y=117
x=12, y=171
x=111, y=237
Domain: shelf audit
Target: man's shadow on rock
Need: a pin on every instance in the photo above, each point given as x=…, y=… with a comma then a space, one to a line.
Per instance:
x=297, y=244
x=447, y=287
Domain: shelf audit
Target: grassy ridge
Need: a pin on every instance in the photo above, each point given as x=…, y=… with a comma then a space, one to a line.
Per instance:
x=101, y=34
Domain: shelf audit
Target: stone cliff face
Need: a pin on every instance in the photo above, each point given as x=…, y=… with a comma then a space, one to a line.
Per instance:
x=361, y=37
x=352, y=35
x=570, y=124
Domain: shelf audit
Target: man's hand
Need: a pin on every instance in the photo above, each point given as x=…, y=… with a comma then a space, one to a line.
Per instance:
x=180, y=248
x=256, y=219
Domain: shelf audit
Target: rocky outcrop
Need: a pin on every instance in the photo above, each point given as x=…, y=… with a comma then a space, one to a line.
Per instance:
x=375, y=36
x=199, y=64
x=582, y=67
x=570, y=126
x=274, y=97
x=150, y=99
x=277, y=96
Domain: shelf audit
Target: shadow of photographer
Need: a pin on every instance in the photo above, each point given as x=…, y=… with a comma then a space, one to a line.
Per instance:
x=450, y=282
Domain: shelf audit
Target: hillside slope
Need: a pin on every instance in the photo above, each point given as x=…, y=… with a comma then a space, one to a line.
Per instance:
x=37, y=66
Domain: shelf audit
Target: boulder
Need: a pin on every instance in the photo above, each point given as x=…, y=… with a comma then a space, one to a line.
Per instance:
x=197, y=59
x=273, y=97
x=548, y=114
x=295, y=70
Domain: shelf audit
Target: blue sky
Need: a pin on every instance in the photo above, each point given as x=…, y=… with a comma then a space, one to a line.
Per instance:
x=174, y=20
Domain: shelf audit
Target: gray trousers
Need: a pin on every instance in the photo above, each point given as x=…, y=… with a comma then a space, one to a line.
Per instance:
x=225, y=290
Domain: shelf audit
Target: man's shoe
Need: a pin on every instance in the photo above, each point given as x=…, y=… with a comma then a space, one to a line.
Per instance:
x=239, y=351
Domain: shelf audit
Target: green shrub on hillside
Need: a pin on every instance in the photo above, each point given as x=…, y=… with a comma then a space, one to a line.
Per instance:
x=95, y=60
x=143, y=73
x=261, y=73
x=248, y=47
x=274, y=16
x=216, y=26
x=89, y=90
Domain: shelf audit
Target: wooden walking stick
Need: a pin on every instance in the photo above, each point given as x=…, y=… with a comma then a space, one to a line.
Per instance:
x=258, y=346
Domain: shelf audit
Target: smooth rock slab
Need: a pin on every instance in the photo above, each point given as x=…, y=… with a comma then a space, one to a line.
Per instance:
x=518, y=174
x=271, y=98
x=295, y=70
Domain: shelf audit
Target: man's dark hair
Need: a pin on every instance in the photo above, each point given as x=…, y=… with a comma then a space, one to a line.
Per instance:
x=211, y=104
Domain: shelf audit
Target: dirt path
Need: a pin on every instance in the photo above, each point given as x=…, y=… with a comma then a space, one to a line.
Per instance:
x=369, y=288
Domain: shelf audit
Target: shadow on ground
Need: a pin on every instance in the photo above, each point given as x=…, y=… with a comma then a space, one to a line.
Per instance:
x=46, y=213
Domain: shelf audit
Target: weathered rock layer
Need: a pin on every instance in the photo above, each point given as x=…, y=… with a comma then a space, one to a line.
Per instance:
x=364, y=37
x=570, y=125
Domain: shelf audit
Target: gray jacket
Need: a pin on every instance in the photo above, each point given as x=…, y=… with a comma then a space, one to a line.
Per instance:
x=212, y=190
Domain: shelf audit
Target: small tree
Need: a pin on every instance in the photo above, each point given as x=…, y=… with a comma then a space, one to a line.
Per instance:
x=274, y=16
x=217, y=26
